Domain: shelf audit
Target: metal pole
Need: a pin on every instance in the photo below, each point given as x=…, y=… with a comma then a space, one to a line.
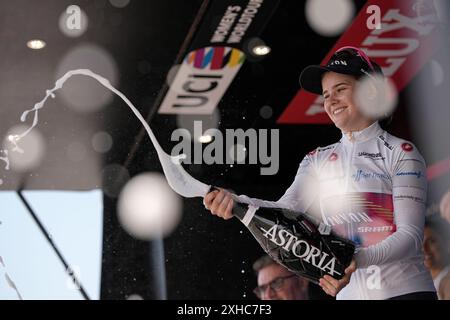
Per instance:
x=157, y=263
x=50, y=240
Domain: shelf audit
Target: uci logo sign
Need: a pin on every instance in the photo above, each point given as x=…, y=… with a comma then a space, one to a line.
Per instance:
x=202, y=80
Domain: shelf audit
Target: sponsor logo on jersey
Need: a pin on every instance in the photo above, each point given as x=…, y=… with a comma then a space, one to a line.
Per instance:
x=364, y=217
x=407, y=147
x=373, y=156
x=409, y=197
x=325, y=148
x=320, y=149
x=417, y=174
x=376, y=229
x=386, y=144
x=349, y=217
x=363, y=175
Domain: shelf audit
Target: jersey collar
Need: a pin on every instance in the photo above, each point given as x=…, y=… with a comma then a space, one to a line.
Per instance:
x=368, y=133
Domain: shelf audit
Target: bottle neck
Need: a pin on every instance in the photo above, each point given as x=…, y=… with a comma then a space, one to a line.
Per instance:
x=240, y=210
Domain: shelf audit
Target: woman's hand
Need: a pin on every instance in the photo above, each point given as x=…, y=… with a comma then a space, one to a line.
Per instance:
x=332, y=286
x=220, y=203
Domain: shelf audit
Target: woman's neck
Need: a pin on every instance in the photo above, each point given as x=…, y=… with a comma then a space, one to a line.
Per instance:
x=358, y=127
x=361, y=127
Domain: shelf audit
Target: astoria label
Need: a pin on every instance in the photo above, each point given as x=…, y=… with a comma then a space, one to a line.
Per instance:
x=301, y=249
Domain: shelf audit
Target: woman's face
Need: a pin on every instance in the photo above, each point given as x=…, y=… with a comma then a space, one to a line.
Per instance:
x=339, y=103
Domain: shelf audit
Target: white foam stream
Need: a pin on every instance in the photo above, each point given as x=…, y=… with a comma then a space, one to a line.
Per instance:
x=179, y=180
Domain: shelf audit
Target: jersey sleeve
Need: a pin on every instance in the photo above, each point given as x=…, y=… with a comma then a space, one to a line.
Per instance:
x=299, y=196
x=409, y=188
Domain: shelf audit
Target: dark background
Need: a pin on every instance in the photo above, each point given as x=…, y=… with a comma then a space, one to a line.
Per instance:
x=205, y=257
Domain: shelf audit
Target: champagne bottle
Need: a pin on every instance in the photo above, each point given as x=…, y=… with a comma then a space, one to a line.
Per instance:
x=298, y=241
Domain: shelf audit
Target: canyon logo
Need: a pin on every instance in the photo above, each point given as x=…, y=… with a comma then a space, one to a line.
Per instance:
x=202, y=80
x=301, y=249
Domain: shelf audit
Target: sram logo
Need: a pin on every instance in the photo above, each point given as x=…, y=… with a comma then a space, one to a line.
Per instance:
x=202, y=80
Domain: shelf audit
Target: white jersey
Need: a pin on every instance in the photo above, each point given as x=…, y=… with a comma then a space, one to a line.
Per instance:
x=372, y=190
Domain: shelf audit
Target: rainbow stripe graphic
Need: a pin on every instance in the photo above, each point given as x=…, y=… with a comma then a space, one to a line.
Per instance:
x=215, y=58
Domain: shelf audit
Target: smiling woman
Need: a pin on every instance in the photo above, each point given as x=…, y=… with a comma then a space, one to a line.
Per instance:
x=340, y=84
x=338, y=93
x=368, y=172
x=394, y=230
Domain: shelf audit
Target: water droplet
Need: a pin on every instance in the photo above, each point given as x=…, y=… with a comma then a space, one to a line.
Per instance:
x=148, y=207
x=30, y=153
x=119, y=3
x=266, y=112
x=102, y=142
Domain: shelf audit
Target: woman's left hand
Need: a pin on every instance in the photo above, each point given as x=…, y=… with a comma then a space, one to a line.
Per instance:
x=332, y=286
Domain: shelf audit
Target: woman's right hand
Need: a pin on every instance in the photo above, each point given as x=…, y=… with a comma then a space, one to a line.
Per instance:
x=332, y=286
x=220, y=203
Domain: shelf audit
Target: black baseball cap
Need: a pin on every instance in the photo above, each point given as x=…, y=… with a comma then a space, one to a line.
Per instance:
x=346, y=60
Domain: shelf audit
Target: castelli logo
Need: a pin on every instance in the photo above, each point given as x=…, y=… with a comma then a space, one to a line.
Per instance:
x=407, y=147
x=333, y=157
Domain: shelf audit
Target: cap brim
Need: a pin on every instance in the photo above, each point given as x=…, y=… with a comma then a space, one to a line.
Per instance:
x=311, y=78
